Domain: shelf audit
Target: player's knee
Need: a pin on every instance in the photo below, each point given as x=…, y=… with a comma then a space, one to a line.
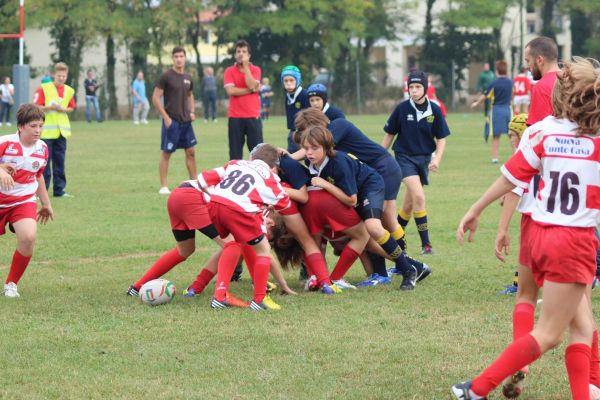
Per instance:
x=547, y=340
x=374, y=228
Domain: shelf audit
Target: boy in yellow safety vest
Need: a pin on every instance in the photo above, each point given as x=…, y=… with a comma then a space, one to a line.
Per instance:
x=57, y=100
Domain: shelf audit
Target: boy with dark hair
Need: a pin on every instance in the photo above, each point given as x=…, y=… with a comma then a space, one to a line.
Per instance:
x=420, y=130
x=296, y=99
x=317, y=95
x=176, y=86
x=23, y=158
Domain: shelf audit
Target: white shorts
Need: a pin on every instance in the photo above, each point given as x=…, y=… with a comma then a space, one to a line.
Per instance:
x=521, y=100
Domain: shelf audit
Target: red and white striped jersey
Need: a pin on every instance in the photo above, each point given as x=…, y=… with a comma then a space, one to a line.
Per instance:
x=29, y=163
x=521, y=85
x=569, y=165
x=248, y=186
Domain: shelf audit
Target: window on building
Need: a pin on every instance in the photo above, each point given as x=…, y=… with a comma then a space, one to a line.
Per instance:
x=530, y=26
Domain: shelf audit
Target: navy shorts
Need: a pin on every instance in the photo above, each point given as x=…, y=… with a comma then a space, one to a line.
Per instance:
x=180, y=135
x=500, y=119
x=370, y=199
x=391, y=173
x=414, y=165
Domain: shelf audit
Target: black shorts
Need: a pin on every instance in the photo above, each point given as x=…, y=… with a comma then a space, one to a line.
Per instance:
x=370, y=202
x=414, y=165
x=391, y=173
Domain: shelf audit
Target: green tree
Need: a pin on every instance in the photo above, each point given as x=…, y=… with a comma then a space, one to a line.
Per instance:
x=72, y=25
x=313, y=33
x=585, y=27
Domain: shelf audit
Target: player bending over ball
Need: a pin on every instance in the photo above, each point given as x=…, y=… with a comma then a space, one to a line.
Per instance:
x=23, y=157
x=565, y=151
x=242, y=191
x=317, y=95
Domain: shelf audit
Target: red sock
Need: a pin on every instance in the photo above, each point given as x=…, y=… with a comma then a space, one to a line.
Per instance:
x=595, y=361
x=344, y=263
x=261, y=274
x=163, y=265
x=520, y=353
x=250, y=258
x=202, y=280
x=227, y=263
x=577, y=359
x=316, y=265
x=523, y=319
x=17, y=267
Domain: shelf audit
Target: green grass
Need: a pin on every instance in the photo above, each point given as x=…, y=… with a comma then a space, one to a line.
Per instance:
x=73, y=334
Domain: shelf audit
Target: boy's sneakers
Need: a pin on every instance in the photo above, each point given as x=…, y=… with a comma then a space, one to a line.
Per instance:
x=330, y=289
x=512, y=386
x=189, y=292
x=409, y=279
x=461, y=391
x=10, y=289
x=510, y=289
x=374, y=280
x=267, y=304
x=133, y=292
x=594, y=392
x=229, y=301
x=423, y=272
x=342, y=284
x=311, y=284
x=427, y=250
x=164, y=190
x=394, y=271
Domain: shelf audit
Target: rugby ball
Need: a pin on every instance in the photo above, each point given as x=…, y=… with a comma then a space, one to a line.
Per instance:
x=157, y=292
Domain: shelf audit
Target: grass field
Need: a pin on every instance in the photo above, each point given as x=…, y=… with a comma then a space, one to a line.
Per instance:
x=74, y=334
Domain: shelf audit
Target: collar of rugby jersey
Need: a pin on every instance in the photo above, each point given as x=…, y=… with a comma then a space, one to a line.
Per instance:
x=290, y=99
x=326, y=107
x=314, y=171
x=421, y=114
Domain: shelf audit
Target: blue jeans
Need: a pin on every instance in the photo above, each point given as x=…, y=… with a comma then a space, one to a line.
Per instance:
x=89, y=100
x=210, y=102
x=5, y=112
x=57, y=149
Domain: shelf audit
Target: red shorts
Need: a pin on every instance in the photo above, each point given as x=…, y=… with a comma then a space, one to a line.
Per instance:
x=324, y=210
x=245, y=227
x=16, y=213
x=293, y=208
x=563, y=254
x=525, y=245
x=187, y=209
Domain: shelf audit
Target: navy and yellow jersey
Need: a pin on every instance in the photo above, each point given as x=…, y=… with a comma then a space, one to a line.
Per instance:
x=295, y=103
x=416, y=130
x=332, y=113
x=348, y=173
x=292, y=172
x=500, y=91
x=349, y=139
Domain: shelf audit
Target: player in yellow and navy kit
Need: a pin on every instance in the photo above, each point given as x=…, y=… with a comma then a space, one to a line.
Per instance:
x=420, y=129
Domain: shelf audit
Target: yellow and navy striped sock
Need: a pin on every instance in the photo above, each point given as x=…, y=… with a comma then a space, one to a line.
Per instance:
x=421, y=222
x=403, y=218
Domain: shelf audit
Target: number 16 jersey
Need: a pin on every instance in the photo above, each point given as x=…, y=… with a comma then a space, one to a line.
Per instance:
x=248, y=186
x=569, y=165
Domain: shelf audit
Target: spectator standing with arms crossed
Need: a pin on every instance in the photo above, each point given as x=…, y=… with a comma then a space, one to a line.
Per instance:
x=177, y=117
x=57, y=101
x=140, y=101
x=242, y=83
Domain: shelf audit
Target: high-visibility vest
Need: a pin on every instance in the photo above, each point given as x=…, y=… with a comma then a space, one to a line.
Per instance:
x=57, y=123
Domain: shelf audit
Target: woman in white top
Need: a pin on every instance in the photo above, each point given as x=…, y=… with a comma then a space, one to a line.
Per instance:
x=7, y=91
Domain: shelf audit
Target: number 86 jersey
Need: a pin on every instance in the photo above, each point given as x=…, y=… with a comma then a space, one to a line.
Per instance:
x=569, y=165
x=248, y=186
